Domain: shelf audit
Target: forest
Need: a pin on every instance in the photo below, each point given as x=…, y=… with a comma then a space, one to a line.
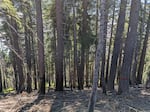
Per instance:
x=74, y=56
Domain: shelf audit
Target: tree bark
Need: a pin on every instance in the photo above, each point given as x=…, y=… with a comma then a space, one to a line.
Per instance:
x=110, y=43
x=1, y=87
x=60, y=46
x=28, y=54
x=142, y=58
x=87, y=69
x=41, y=65
x=99, y=53
x=18, y=56
x=138, y=46
x=103, y=83
x=14, y=66
x=129, y=47
x=97, y=11
x=34, y=63
x=83, y=36
x=75, y=46
x=117, y=45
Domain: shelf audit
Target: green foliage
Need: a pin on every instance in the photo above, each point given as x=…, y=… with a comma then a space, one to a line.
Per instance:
x=16, y=10
x=47, y=85
x=87, y=39
x=49, y=12
x=7, y=8
x=8, y=90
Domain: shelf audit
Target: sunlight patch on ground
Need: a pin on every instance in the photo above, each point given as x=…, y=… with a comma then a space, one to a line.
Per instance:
x=144, y=92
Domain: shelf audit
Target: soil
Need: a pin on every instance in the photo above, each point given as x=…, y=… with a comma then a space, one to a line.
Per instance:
x=138, y=100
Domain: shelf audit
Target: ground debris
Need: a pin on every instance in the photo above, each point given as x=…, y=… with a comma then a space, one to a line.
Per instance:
x=138, y=100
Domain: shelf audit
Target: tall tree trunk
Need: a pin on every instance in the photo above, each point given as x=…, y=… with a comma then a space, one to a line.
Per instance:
x=33, y=52
x=48, y=72
x=91, y=72
x=141, y=66
x=54, y=55
x=110, y=43
x=70, y=71
x=75, y=46
x=117, y=44
x=129, y=47
x=135, y=62
x=65, y=77
x=52, y=73
x=104, y=49
x=138, y=45
x=83, y=36
x=28, y=55
x=14, y=66
x=87, y=69
x=99, y=53
x=120, y=62
x=97, y=11
x=60, y=46
x=18, y=56
x=41, y=65
x=1, y=87
x=34, y=63
x=81, y=69
x=29, y=79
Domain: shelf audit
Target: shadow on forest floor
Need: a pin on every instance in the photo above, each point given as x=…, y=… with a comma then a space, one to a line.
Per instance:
x=77, y=101
x=69, y=101
x=29, y=105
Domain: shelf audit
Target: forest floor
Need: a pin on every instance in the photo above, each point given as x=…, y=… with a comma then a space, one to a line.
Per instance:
x=138, y=100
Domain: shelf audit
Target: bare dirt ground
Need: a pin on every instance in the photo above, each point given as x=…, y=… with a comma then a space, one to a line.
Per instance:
x=76, y=101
